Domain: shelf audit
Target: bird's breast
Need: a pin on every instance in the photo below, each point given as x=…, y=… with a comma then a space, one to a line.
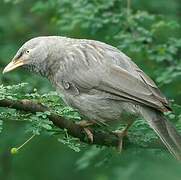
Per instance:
x=98, y=106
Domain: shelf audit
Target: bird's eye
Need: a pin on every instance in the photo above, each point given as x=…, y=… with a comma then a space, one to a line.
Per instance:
x=27, y=51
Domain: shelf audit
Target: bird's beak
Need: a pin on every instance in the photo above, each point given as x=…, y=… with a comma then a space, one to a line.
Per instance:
x=13, y=65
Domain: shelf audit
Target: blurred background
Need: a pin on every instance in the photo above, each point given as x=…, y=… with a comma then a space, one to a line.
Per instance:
x=148, y=31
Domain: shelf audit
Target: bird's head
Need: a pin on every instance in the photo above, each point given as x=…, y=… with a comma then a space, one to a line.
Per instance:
x=30, y=55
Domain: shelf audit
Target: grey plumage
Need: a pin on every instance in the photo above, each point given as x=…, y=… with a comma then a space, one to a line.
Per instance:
x=100, y=81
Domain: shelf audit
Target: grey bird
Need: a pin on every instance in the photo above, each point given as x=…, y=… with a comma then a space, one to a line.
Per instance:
x=100, y=81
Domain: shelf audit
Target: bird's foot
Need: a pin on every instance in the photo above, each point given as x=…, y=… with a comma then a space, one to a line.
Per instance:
x=85, y=125
x=120, y=134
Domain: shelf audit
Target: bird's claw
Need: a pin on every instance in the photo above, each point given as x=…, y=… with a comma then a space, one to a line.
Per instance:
x=89, y=134
x=120, y=134
x=84, y=124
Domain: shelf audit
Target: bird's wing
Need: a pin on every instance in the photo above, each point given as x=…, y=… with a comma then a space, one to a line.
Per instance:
x=99, y=66
x=122, y=83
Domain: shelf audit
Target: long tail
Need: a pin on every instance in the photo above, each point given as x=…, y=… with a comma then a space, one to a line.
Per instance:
x=164, y=129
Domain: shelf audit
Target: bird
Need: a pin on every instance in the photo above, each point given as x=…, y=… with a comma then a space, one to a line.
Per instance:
x=99, y=81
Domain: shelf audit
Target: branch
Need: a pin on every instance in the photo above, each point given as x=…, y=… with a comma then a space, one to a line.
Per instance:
x=100, y=137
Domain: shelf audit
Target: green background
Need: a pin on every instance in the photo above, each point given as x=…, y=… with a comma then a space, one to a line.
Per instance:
x=149, y=32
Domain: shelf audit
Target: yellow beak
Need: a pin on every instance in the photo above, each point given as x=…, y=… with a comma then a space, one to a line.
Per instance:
x=13, y=65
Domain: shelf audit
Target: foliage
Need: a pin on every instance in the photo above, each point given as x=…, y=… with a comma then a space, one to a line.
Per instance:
x=152, y=40
x=35, y=123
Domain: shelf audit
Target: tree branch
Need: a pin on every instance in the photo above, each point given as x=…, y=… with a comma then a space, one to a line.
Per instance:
x=100, y=137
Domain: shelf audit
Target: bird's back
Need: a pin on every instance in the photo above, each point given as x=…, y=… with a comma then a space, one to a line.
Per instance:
x=90, y=58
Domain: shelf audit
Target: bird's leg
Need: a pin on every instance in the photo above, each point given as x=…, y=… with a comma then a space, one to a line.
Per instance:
x=85, y=125
x=121, y=134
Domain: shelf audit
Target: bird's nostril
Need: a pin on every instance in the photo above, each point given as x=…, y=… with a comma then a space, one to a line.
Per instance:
x=17, y=56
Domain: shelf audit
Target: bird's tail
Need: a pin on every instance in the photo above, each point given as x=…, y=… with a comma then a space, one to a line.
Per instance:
x=164, y=129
